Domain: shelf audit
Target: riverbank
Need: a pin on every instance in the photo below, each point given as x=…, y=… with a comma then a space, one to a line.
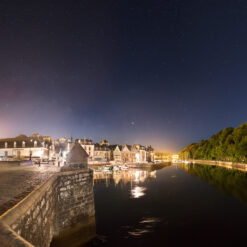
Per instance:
x=226, y=164
x=150, y=166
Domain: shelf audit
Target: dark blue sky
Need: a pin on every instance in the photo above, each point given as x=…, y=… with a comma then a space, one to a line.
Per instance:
x=165, y=73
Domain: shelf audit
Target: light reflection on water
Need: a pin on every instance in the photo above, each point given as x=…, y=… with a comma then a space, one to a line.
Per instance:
x=145, y=226
x=133, y=176
x=170, y=207
x=150, y=220
x=138, y=192
x=134, y=181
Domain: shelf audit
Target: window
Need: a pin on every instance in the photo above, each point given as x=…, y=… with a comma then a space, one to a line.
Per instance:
x=35, y=143
x=23, y=144
x=14, y=144
x=6, y=144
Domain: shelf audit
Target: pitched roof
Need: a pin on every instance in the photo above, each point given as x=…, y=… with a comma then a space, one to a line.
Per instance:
x=29, y=142
x=112, y=147
x=119, y=147
x=126, y=148
x=77, y=154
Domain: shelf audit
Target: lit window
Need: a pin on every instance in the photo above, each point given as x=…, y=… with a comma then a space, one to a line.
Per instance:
x=6, y=144
x=14, y=144
x=23, y=144
x=35, y=143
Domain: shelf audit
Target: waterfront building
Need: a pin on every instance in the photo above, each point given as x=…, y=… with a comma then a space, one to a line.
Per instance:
x=44, y=148
x=117, y=155
x=142, y=152
x=150, y=154
x=138, y=153
x=77, y=157
x=88, y=146
x=131, y=154
x=126, y=154
x=101, y=153
x=162, y=156
x=60, y=152
x=22, y=147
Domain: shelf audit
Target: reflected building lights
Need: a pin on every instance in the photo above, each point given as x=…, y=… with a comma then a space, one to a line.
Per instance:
x=138, y=192
x=124, y=177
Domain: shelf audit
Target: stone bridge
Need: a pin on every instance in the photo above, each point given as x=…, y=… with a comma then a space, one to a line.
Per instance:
x=59, y=210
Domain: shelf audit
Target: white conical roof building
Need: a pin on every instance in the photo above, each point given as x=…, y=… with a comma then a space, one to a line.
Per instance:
x=77, y=157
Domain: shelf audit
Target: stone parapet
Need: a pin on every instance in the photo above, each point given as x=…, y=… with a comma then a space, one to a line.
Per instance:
x=63, y=200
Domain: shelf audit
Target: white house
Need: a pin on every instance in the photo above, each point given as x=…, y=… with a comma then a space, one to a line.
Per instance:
x=24, y=148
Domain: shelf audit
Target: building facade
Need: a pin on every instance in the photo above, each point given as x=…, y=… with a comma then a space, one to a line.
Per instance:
x=117, y=154
x=41, y=148
x=88, y=146
x=101, y=153
x=25, y=147
x=126, y=154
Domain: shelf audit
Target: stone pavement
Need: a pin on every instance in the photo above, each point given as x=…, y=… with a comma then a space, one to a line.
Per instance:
x=18, y=181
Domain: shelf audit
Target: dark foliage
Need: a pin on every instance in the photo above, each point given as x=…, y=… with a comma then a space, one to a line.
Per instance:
x=230, y=144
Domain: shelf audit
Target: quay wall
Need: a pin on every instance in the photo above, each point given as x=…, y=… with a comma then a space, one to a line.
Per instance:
x=226, y=164
x=62, y=201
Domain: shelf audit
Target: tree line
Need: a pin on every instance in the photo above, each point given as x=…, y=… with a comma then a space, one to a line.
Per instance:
x=229, y=144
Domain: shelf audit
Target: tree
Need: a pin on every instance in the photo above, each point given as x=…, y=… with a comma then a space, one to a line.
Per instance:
x=229, y=144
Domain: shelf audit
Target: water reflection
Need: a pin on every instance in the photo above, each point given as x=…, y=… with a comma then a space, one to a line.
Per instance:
x=139, y=232
x=228, y=181
x=133, y=176
x=138, y=192
x=170, y=207
x=146, y=225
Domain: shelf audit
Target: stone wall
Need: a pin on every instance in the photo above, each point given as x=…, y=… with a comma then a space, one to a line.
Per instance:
x=65, y=200
x=75, y=197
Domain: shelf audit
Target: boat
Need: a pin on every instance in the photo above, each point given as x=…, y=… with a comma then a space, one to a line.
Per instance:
x=116, y=168
x=124, y=167
x=107, y=168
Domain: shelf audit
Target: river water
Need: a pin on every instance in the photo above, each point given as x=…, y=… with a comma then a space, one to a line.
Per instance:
x=177, y=205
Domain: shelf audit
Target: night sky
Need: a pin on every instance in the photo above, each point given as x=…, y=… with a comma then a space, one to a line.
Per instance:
x=158, y=72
